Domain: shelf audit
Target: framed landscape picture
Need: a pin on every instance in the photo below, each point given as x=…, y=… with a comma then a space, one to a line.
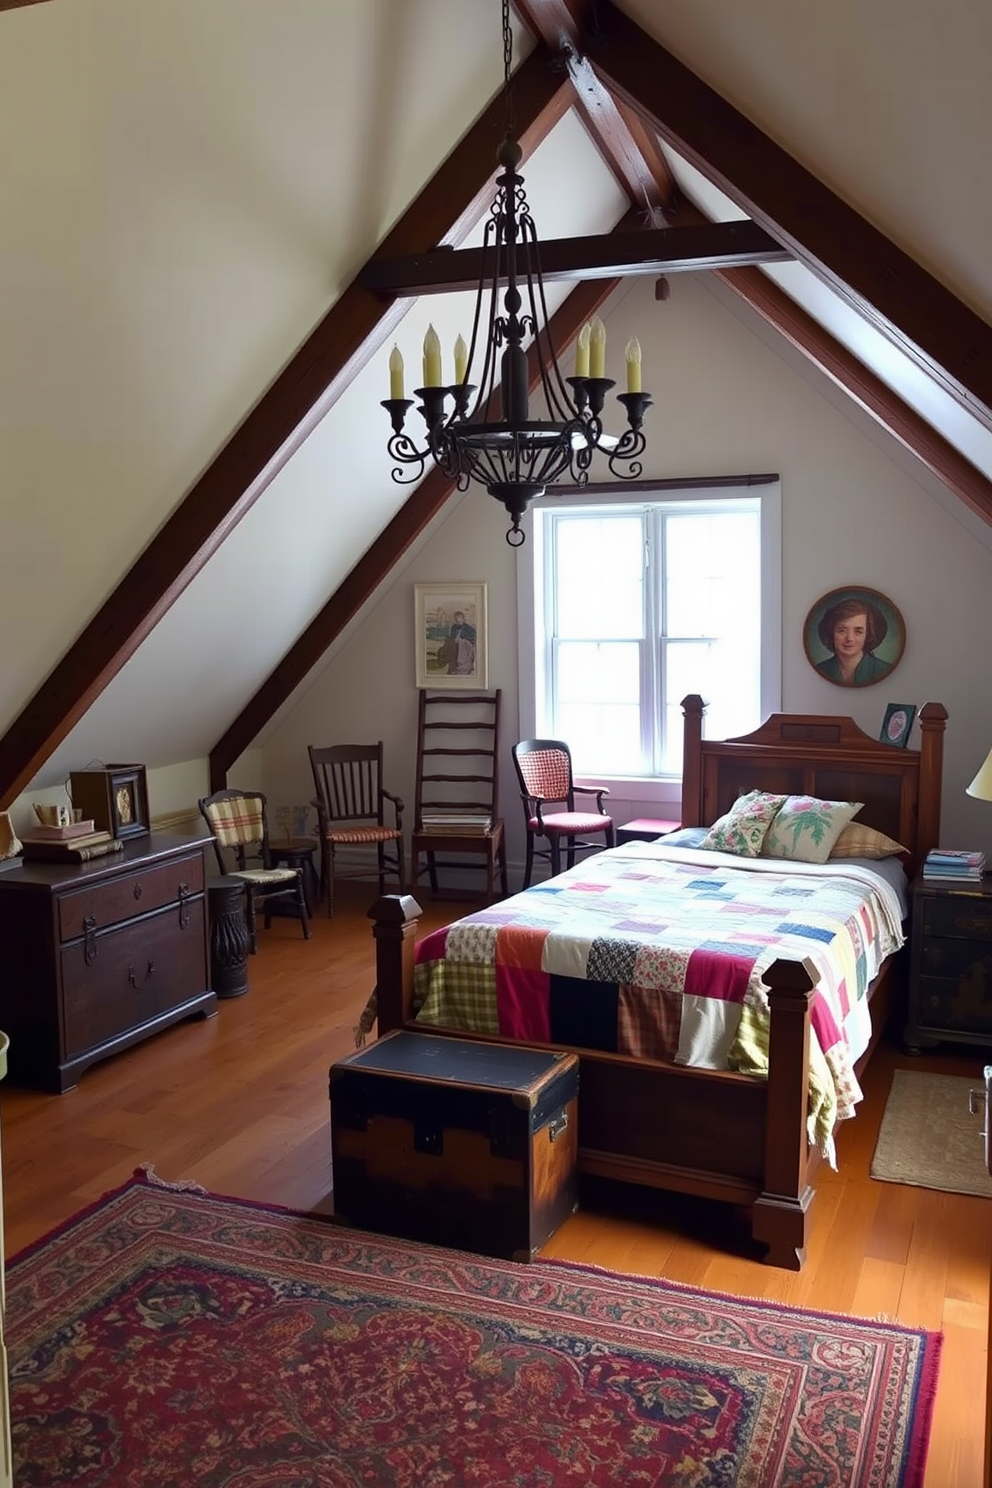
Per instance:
x=450, y=631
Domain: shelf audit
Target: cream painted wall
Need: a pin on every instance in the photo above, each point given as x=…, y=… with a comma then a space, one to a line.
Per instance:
x=188, y=185
x=725, y=404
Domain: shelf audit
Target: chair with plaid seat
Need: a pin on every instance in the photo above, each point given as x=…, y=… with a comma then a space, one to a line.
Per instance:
x=544, y=770
x=239, y=827
x=351, y=813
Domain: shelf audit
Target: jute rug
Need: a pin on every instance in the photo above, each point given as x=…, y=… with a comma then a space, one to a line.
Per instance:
x=173, y=1337
x=928, y=1138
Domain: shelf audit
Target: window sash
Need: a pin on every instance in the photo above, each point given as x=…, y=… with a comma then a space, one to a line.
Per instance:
x=544, y=654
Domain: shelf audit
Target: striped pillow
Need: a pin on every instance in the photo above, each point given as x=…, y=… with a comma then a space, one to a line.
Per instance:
x=859, y=841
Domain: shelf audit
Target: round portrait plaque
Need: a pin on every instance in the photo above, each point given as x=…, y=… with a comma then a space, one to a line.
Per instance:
x=854, y=636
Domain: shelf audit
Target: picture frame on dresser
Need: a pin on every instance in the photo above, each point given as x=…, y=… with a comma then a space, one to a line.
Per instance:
x=115, y=796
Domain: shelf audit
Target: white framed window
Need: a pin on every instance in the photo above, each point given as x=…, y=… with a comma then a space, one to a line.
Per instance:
x=628, y=605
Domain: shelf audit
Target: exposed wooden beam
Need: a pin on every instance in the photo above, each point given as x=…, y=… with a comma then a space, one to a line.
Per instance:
x=561, y=26
x=556, y=22
x=894, y=293
x=710, y=245
x=350, y=332
x=408, y=523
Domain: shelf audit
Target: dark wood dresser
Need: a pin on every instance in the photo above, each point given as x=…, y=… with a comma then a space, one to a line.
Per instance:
x=97, y=956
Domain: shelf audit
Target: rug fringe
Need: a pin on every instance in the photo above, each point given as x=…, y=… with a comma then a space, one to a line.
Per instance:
x=182, y=1185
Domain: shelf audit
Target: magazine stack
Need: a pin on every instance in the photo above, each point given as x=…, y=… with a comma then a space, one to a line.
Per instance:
x=948, y=866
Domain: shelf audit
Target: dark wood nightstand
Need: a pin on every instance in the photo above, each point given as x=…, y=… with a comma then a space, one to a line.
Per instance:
x=950, y=980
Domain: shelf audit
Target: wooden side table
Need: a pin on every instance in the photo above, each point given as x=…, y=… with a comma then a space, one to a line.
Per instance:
x=298, y=853
x=950, y=979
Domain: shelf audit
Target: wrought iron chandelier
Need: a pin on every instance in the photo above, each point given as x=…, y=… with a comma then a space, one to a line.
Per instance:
x=516, y=457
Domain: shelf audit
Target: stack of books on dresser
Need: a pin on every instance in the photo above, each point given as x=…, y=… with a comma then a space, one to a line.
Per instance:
x=77, y=843
x=946, y=865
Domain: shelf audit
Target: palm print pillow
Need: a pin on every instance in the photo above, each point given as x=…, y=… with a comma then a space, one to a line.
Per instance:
x=806, y=828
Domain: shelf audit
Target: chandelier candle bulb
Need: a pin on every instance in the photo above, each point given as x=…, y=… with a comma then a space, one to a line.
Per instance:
x=633, y=355
x=597, y=348
x=582, y=352
x=432, y=358
x=396, y=373
x=461, y=359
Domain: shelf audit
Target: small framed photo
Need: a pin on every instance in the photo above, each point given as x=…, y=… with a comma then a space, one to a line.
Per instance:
x=897, y=725
x=450, y=628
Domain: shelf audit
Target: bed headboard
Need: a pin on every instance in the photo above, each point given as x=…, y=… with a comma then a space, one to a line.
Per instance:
x=819, y=755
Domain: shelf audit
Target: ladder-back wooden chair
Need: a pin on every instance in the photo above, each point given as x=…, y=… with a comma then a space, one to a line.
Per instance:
x=457, y=802
x=544, y=770
x=352, y=806
x=239, y=827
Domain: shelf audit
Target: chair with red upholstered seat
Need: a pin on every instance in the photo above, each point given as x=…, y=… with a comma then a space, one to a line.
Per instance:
x=351, y=812
x=544, y=770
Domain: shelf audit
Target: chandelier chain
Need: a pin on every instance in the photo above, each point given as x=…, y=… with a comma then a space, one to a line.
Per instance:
x=507, y=74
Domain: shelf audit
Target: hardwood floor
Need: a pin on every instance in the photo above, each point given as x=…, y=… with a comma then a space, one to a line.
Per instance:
x=239, y=1104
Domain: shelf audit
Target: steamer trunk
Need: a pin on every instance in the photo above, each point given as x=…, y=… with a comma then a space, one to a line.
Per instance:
x=455, y=1141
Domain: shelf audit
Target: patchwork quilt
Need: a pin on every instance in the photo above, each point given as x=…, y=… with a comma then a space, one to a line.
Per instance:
x=659, y=952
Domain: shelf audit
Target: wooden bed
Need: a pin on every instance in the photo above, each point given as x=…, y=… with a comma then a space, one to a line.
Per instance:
x=718, y=1134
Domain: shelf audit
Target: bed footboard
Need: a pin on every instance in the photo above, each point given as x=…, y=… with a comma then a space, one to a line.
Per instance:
x=722, y=1136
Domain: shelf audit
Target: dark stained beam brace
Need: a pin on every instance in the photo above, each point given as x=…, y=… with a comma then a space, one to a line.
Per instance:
x=909, y=306
x=713, y=245
x=406, y=526
x=349, y=334
x=554, y=22
x=860, y=383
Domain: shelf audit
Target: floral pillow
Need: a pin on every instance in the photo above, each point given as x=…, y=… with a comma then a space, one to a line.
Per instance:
x=742, y=830
x=806, y=828
x=859, y=841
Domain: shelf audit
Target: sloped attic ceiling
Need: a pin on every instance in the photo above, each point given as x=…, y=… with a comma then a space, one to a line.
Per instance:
x=777, y=76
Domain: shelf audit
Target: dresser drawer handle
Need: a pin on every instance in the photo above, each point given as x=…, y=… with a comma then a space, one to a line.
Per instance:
x=89, y=939
x=137, y=891
x=132, y=975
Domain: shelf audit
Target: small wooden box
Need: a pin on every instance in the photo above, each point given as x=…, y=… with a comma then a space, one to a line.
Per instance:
x=455, y=1141
x=115, y=796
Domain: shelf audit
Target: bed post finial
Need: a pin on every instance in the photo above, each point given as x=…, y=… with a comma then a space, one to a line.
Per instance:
x=395, y=918
x=693, y=709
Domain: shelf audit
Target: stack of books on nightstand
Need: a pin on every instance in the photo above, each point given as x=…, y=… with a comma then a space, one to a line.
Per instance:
x=949, y=866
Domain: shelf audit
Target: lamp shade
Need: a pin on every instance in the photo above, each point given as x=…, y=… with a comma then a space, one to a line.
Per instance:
x=981, y=786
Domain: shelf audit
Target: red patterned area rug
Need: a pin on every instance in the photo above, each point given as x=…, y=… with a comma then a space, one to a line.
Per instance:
x=173, y=1337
